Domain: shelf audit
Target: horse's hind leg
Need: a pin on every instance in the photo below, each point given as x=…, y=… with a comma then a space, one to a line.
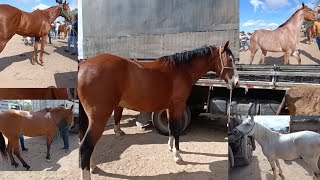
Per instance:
x=313, y=164
x=9, y=150
x=278, y=165
x=35, y=51
x=253, y=48
x=170, y=141
x=263, y=57
x=296, y=54
x=49, y=141
x=97, y=122
x=117, y=117
x=15, y=145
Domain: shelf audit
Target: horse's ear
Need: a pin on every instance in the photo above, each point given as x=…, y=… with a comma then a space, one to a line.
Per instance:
x=226, y=46
x=252, y=118
x=303, y=4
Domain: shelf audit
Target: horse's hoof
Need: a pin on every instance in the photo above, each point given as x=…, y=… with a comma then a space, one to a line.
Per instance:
x=26, y=166
x=48, y=159
x=41, y=64
x=120, y=133
x=178, y=160
x=15, y=164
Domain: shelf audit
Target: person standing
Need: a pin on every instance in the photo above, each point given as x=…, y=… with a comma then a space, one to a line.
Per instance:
x=56, y=31
x=22, y=142
x=73, y=37
x=317, y=30
x=244, y=41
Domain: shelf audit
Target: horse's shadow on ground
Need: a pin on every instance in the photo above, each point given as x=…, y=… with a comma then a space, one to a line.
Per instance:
x=252, y=171
x=110, y=148
x=35, y=156
x=7, y=61
x=60, y=50
x=274, y=60
x=217, y=168
x=310, y=56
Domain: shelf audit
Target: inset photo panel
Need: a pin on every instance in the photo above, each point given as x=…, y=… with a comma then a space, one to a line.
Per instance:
x=38, y=44
x=150, y=75
x=39, y=135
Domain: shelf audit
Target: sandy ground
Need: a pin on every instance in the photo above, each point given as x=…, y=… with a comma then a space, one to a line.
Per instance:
x=260, y=169
x=143, y=154
x=309, y=54
x=140, y=154
x=63, y=165
x=16, y=71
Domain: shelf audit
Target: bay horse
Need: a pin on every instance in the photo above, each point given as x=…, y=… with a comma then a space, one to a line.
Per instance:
x=310, y=33
x=107, y=82
x=284, y=38
x=275, y=146
x=32, y=124
x=36, y=24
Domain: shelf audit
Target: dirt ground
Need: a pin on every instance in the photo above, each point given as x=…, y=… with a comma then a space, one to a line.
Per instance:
x=16, y=71
x=260, y=169
x=63, y=165
x=140, y=154
x=309, y=54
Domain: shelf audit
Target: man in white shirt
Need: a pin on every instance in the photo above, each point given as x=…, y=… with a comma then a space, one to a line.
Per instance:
x=56, y=31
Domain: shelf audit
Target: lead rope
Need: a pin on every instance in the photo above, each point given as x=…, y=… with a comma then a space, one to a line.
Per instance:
x=229, y=106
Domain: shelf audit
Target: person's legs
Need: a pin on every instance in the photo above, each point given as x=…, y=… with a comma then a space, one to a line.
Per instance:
x=243, y=43
x=318, y=42
x=22, y=142
x=69, y=42
x=65, y=137
x=32, y=41
x=75, y=45
x=248, y=43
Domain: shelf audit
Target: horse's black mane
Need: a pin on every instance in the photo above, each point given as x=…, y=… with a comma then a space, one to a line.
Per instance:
x=290, y=18
x=187, y=56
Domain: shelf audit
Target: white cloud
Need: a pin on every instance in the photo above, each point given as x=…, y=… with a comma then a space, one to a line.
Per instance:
x=259, y=24
x=40, y=7
x=256, y=4
x=275, y=4
x=37, y=0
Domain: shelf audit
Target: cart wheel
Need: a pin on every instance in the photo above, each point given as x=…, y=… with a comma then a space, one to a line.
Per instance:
x=160, y=121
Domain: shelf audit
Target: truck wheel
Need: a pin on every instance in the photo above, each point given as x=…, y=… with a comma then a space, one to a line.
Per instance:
x=249, y=154
x=160, y=121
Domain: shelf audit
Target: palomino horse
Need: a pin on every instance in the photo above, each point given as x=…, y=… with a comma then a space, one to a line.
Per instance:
x=284, y=38
x=108, y=81
x=36, y=24
x=310, y=33
x=40, y=123
x=275, y=146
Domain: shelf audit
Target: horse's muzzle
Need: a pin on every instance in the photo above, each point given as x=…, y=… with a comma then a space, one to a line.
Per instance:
x=236, y=133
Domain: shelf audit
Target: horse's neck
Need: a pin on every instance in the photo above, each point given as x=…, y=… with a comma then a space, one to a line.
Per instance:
x=265, y=136
x=296, y=22
x=197, y=69
x=52, y=13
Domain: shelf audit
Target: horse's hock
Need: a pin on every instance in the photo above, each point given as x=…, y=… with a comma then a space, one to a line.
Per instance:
x=303, y=100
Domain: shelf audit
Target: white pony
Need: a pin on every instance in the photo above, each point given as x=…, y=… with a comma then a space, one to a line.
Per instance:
x=304, y=144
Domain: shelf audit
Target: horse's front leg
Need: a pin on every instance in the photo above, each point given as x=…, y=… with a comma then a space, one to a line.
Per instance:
x=278, y=165
x=287, y=55
x=49, y=141
x=43, y=43
x=175, y=115
x=34, y=57
x=273, y=167
x=3, y=44
x=263, y=57
x=296, y=54
x=117, y=117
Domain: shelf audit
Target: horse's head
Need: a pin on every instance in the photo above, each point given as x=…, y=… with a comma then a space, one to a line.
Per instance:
x=69, y=115
x=225, y=66
x=62, y=113
x=65, y=10
x=309, y=14
x=247, y=127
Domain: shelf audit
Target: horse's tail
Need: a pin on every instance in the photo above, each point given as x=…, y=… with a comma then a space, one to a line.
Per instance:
x=3, y=148
x=84, y=122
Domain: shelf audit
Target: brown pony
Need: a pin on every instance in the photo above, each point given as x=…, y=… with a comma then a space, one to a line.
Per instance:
x=32, y=124
x=108, y=81
x=36, y=24
x=64, y=29
x=283, y=39
x=310, y=33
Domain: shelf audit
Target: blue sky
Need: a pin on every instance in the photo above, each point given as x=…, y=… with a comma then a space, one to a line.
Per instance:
x=268, y=14
x=275, y=122
x=31, y=5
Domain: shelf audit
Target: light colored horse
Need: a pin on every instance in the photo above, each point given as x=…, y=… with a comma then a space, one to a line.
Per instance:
x=284, y=38
x=275, y=146
x=32, y=124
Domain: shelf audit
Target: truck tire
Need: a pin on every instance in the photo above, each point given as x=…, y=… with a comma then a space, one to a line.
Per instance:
x=160, y=121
